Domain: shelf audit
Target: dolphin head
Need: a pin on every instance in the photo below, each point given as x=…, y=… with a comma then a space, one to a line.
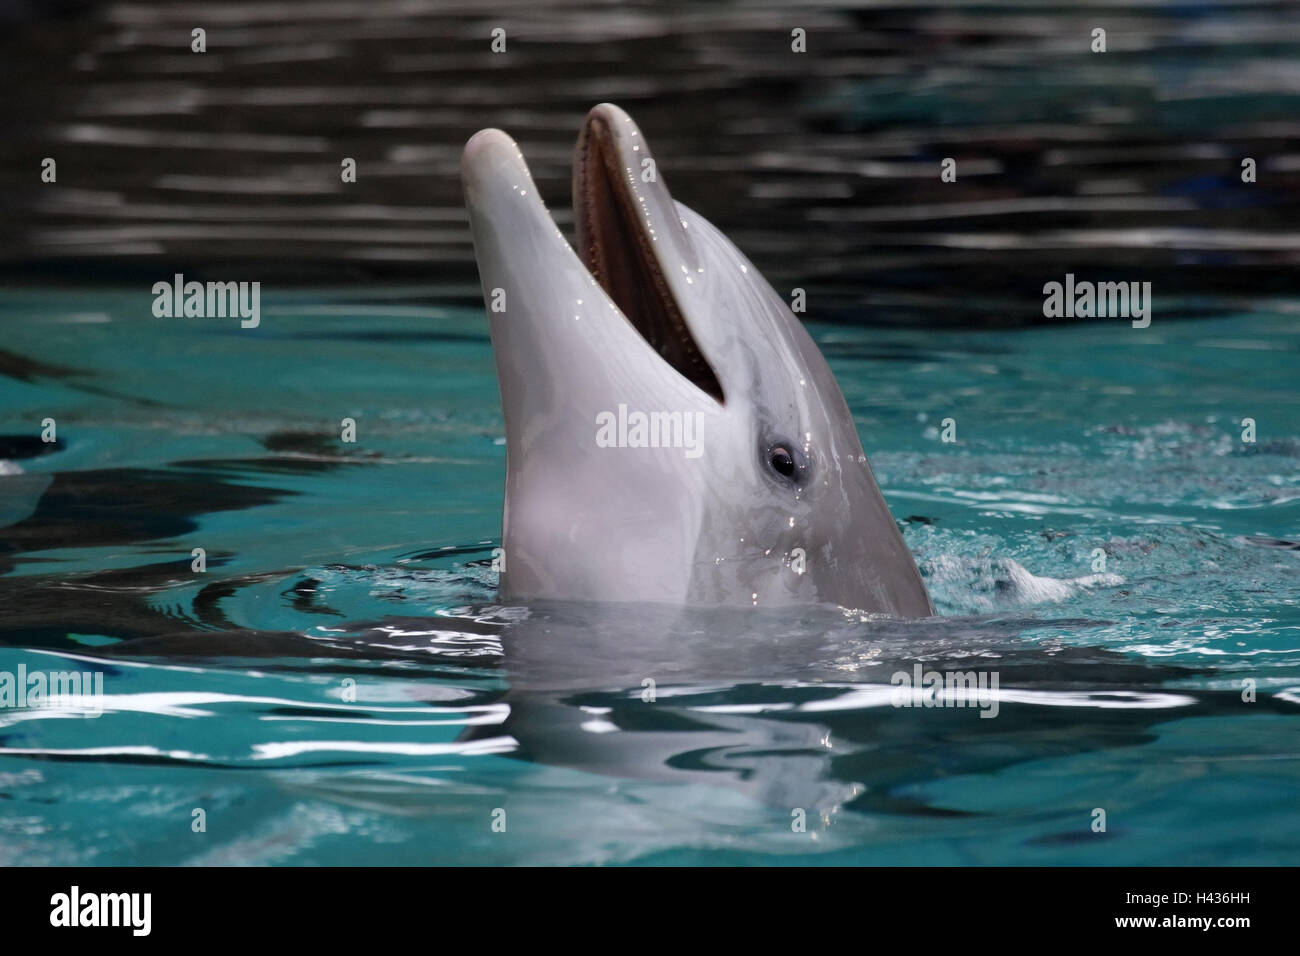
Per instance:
x=673, y=433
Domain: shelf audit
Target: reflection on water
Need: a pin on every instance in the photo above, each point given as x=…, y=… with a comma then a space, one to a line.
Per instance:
x=824, y=166
x=340, y=685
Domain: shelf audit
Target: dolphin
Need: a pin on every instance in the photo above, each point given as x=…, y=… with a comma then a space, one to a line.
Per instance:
x=673, y=433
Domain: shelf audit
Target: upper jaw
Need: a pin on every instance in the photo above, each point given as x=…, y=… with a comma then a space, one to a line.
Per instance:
x=612, y=162
x=559, y=334
x=630, y=237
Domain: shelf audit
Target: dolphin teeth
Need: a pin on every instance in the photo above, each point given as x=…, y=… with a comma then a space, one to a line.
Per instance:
x=619, y=252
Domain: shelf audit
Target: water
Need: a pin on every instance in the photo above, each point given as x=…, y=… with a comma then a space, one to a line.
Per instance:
x=823, y=166
x=336, y=569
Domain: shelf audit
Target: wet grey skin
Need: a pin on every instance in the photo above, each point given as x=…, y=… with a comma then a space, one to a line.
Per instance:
x=658, y=311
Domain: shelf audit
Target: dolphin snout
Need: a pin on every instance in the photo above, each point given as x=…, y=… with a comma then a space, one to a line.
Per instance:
x=490, y=153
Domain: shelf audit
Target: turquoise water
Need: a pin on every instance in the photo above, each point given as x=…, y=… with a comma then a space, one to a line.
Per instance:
x=340, y=687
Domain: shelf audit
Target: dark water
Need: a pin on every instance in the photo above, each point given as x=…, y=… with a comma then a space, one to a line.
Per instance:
x=823, y=166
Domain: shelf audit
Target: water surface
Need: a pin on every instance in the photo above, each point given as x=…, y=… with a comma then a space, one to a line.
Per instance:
x=341, y=685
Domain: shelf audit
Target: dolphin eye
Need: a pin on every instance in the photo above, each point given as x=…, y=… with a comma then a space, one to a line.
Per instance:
x=783, y=461
x=787, y=460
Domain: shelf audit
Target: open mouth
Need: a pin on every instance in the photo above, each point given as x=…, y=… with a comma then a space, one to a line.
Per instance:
x=615, y=243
